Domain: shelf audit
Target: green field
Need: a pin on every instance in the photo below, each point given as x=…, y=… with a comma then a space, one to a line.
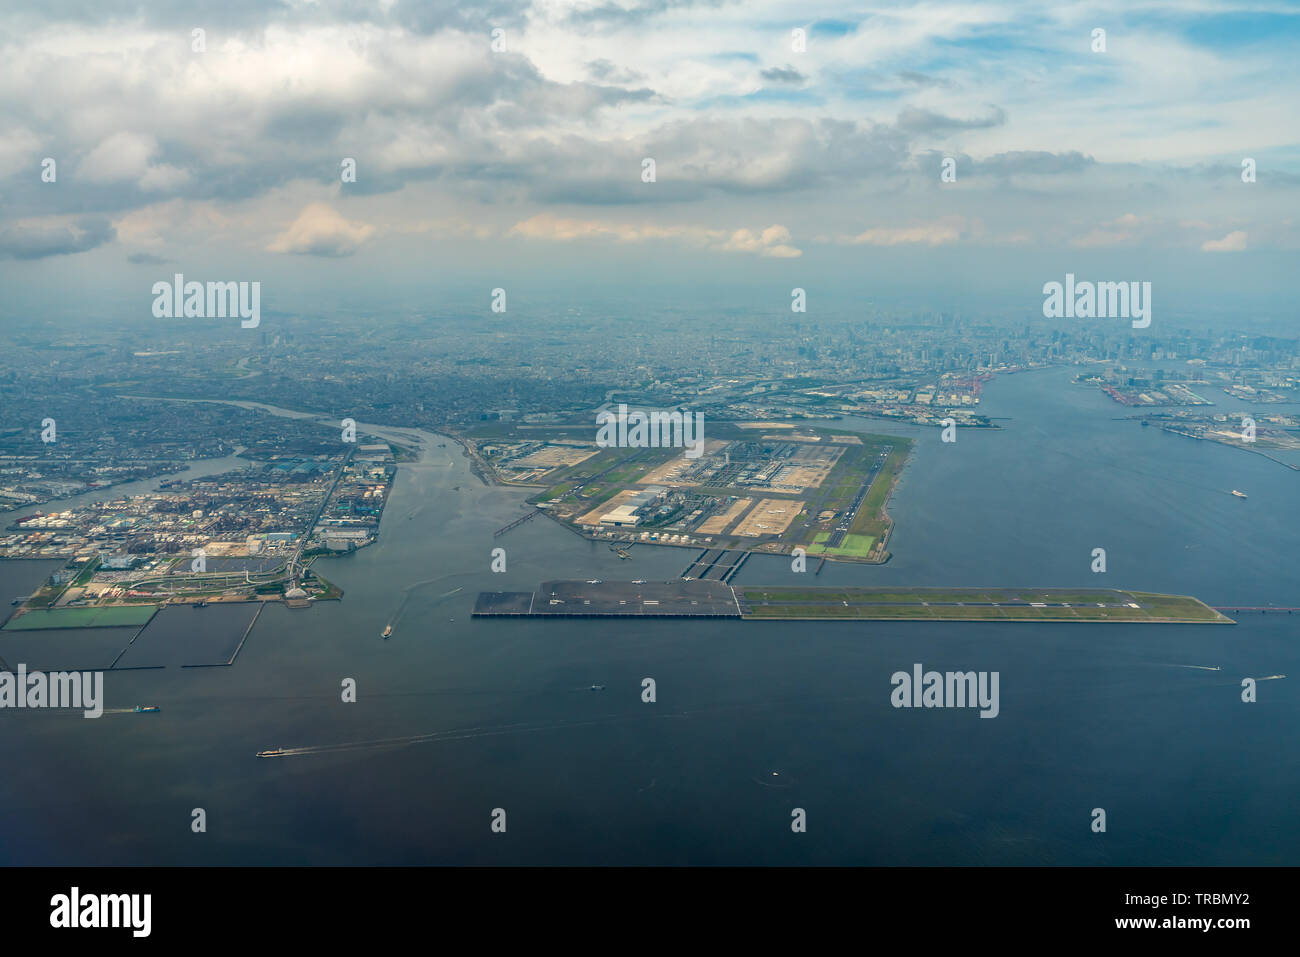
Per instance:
x=854, y=546
x=557, y=492
x=112, y=616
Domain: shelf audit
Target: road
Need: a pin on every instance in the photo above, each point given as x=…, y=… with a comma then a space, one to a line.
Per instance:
x=295, y=559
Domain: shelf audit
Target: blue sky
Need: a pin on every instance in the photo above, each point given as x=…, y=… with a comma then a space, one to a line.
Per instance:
x=821, y=161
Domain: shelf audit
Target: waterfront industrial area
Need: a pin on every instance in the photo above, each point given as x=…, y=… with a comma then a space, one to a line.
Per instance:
x=239, y=538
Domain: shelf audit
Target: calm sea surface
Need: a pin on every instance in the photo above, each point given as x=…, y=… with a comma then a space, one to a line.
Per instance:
x=752, y=719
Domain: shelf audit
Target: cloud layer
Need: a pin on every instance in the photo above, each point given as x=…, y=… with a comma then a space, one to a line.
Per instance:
x=541, y=132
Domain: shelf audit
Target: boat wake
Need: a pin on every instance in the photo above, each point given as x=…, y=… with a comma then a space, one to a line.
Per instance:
x=409, y=592
x=775, y=779
x=458, y=734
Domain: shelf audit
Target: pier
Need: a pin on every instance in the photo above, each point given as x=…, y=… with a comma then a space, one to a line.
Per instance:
x=247, y=631
x=715, y=564
x=516, y=523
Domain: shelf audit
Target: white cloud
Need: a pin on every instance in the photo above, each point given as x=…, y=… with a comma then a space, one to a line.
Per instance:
x=774, y=241
x=440, y=124
x=1234, y=242
x=126, y=158
x=122, y=157
x=166, y=223
x=934, y=234
x=319, y=230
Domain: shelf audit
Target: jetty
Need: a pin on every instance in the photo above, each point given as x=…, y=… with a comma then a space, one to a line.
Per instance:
x=517, y=522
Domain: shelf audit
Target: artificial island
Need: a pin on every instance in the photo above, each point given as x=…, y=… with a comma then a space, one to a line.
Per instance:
x=760, y=487
x=707, y=598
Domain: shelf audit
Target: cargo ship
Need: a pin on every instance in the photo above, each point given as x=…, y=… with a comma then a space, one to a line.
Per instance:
x=1238, y=494
x=145, y=708
x=387, y=631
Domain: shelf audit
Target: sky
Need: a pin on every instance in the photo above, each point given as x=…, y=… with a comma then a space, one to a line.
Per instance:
x=505, y=144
